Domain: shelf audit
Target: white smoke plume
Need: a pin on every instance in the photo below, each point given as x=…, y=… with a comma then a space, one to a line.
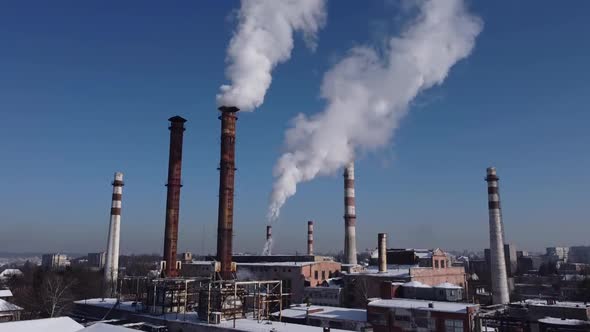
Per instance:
x=263, y=39
x=367, y=93
x=267, y=250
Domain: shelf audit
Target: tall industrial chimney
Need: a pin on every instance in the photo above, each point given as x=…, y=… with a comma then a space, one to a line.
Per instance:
x=268, y=233
x=310, y=238
x=349, y=216
x=227, y=170
x=382, y=251
x=498, y=264
x=111, y=267
x=173, y=197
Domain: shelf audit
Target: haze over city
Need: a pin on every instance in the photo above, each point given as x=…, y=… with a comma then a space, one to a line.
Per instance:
x=86, y=89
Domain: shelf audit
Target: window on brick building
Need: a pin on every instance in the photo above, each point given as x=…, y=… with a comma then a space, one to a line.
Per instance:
x=315, y=275
x=453, y=325
x=436, y=264
x=323, y=275
x=442, y=264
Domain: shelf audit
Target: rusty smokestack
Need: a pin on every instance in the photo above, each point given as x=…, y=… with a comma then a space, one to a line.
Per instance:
x=382, y=251
x=225, y=217
x=500, y=293
x=349, y=216
x=173, y=196
x=310, y=238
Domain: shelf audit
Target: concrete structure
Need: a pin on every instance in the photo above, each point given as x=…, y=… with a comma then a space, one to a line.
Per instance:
x=173, y=196
x=500, y=293
x=417, y=315
x=349, y=216
x=310, y=238
x=227, y=169
x=54, y=261
x=382, y=252
x=326, y=316
x=96, y=259
x=296, y=272
x=111, y=266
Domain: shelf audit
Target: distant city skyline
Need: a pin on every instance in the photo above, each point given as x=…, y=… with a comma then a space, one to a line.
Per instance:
x=86, y=91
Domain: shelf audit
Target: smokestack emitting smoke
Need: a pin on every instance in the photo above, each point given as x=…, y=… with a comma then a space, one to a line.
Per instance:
x=310, y=238
x=498, y=264
x=349, y=216
x=268, y=244
x=382, y=251
x=173, y=197
x=227, y=169
x=368, y=92
x=111, y=267
x=263, y=39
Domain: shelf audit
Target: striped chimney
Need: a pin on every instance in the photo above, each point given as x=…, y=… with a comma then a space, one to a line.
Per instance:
x=498, y=264
x=382, y=251
x=349, y=216
x=111, y=267
x=310, y=238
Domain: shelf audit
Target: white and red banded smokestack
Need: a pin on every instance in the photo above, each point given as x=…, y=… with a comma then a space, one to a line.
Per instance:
x=111, y=267
x=310, y=238
x=500, y=293
x=349, y=216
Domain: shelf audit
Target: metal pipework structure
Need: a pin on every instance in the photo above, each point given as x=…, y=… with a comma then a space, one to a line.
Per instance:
x=310, y=238
x=349, y=216
x=225, y=217
x=111, y=267
x=382, y=252
x=500, y=293
x=173, y=196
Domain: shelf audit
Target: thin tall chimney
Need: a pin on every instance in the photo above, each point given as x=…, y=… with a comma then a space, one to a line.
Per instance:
x=173, y=197
x=498, y=264
x=382, y=251
x=310, y=238
x=227, y=170
x=349, y=216
x=111, y=267
x=268, y=233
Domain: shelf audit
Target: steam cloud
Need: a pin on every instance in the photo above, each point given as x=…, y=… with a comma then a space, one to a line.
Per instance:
x=264, y=39
x=367, y=94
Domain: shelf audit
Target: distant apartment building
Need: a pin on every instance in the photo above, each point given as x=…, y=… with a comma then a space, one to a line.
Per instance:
x=557, y=254
x=96, y=260
x=579, y=254
x=54, y=261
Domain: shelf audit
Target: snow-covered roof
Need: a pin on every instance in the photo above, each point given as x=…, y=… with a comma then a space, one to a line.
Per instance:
x=281, y=264
x=7, y=306
x=541, y=302
x=447, y=285
x=5, y=293
x=101, y=327
x=560, y=321
x=59, y=324
x=416, y=284
x=326, y=312
x=423, y=305
x=10, y=272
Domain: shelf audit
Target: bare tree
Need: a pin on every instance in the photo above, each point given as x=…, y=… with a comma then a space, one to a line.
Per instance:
x=56, y=295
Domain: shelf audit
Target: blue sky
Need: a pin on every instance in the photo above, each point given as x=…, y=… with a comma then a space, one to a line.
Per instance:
x=86, y=89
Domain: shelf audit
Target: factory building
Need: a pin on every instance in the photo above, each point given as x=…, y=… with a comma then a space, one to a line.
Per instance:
x=418, y=315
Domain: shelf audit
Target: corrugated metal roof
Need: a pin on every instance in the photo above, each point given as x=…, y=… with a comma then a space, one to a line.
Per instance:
x=7, y=306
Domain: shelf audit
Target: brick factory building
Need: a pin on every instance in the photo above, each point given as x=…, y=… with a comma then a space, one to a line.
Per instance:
x=416, y=315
